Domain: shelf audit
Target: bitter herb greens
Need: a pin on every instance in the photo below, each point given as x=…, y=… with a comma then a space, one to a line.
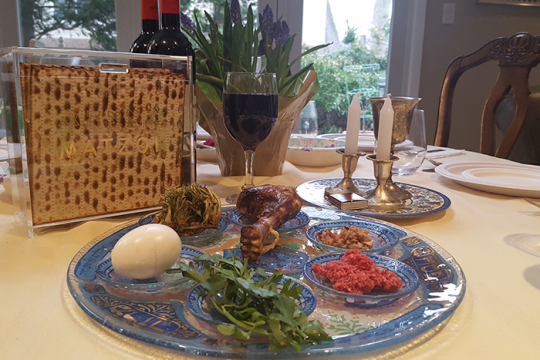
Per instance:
x=251, y=301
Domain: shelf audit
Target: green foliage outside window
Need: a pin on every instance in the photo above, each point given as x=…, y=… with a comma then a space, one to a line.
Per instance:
x=332, y=101
x=192, y=7
x=94, y=18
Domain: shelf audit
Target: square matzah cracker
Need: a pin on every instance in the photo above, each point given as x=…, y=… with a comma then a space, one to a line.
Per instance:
x=100, y=143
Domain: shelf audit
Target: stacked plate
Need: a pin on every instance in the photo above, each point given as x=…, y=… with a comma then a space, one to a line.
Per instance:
x=366, y=139
x=500, y=178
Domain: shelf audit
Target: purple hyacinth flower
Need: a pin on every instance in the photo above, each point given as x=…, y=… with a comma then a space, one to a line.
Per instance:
x=187, y=23
x=286, y=29
x=268, y=19
x=262, y=48
x=279, y=34
x=236, y=17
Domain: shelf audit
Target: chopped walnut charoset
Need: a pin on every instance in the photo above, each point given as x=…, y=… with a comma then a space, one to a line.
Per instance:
x=350, y=237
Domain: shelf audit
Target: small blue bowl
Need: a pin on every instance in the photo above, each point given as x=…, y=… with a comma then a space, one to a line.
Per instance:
x=301, y=220
x=374, y=299
x=202, y=308
x=105, y=272
x=384, y=236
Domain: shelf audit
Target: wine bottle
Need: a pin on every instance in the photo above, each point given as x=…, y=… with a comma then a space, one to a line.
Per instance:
x=170, y=40
x=150, y=26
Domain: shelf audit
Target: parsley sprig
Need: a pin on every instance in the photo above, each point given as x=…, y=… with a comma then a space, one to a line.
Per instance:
x=253, y=304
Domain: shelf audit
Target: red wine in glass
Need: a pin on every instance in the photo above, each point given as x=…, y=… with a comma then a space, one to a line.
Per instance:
x=250, y=118
x=250, y=113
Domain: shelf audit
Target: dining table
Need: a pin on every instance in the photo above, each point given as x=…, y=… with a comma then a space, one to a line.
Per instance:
x=494, y=238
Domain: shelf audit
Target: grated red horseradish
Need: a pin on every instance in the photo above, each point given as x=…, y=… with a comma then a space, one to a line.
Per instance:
x=356, y=273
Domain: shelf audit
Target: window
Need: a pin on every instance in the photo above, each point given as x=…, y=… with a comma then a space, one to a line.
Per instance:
x=74, y=24
x=355, y=62
x=214, y=8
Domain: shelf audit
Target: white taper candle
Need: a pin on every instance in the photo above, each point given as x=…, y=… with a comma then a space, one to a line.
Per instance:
x=353, y=126
x=386, y=123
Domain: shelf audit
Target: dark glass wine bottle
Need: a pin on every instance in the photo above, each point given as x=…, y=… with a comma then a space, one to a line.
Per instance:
x=150, y=26
x=170, y=40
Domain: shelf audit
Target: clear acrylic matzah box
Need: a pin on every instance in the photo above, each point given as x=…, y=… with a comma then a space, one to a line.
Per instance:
x=94, y=134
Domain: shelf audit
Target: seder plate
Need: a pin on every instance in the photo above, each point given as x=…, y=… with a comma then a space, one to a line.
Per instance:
x=424, y=202
x=163, y=320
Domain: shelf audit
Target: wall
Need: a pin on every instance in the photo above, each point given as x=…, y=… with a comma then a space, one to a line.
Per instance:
x=475, y=25
x=9, y=36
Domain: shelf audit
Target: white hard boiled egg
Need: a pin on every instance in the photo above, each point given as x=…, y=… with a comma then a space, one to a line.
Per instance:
x=146, y=252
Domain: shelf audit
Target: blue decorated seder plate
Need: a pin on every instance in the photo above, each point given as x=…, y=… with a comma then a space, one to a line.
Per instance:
x=384, y=236
x=105, y=271
x=195, y=239
x=301, y=220
x=161, y=319
x=376, y=298
x=201, y=307
x=423, y=203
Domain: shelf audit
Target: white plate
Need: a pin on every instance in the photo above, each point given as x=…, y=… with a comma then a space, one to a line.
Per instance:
x=366, y=142
x=202, y=134
x=523, y=178
x=331, y=136
x=314, y=152
x=505, y=184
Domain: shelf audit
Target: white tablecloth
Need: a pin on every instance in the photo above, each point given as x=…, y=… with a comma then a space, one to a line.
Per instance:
x=499, y=317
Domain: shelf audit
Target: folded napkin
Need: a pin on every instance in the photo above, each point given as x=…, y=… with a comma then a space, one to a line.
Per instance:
x=444, y=153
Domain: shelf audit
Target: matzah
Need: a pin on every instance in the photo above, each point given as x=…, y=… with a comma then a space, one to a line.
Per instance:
x=100, y=143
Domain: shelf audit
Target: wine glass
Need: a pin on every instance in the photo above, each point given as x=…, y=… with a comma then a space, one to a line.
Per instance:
x=413, y=150
x=250, y=113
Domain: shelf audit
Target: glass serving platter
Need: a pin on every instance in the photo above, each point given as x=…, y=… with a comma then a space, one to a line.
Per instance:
x=163, y=319
x=423, y=203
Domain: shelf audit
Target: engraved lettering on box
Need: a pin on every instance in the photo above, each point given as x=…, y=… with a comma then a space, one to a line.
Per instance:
x=158, y=317
x=411, y=241
x=94, y=139
x=432, y=271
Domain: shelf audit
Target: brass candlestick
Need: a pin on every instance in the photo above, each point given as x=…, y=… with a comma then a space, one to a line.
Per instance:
x=403, y=111
x=346, y=185
x=380, y=197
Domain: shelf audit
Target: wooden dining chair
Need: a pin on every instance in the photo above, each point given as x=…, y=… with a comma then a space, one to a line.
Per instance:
x=515, y=56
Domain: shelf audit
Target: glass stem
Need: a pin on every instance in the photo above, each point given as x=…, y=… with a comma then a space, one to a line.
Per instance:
x=248, y=182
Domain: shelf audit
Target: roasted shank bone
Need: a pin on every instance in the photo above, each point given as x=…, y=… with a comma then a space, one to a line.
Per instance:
x=269, y=206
